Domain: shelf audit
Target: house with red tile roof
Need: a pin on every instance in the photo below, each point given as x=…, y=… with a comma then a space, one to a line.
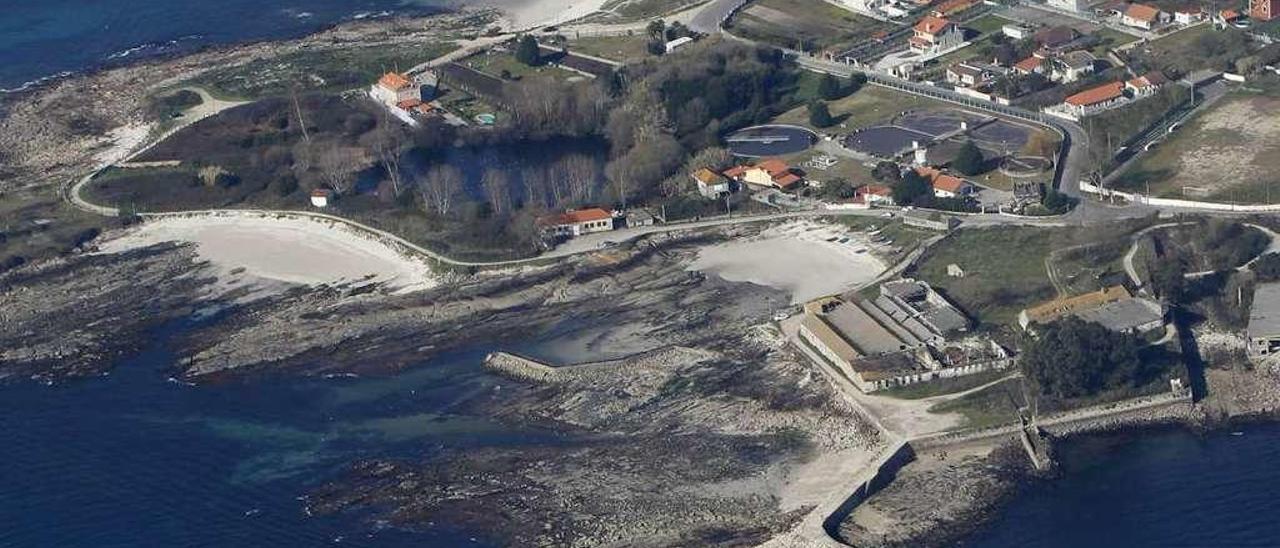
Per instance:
x=577, y=222
x=769, y=173
x=1147, y=84
x=1144, y=16
x=874, y=194
x=933, y=34
x=1091, y=101
x=394, y=88
x=944, y=185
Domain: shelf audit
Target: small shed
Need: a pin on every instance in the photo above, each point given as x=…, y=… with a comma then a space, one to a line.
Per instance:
x=321, y=197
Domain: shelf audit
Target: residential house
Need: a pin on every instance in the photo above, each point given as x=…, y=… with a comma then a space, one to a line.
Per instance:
x=1094, y=100
x=1035, y=64
x=769, y=173
x=577, y=222
x=638, y=217
x=874, y=195
x=1072, y=66
x=1188, y=15
x=1226, y=17
x=1146, y=85
x=321, y=197
x=711, y=184
x=968, y=75
x=944, y=185
x=935, y=35
x=1143, y=16
x=1262, y=335
x=1016, y=31
x=393, y=89
x=1264, y=10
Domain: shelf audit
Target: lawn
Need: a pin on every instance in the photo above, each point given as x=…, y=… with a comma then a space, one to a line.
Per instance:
x=802, y=24
x=1109, y=39
x=626, y=49
x=871, y=105
x=992, y=406
x=330, y=70
x=1202, y=47
x=987, y=24
x=1228, y=153
x=505, y=66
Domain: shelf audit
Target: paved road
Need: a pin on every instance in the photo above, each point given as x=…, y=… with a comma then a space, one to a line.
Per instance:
x=714, y=14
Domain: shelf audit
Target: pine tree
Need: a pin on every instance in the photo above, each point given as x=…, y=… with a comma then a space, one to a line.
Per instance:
x=969, y=160
x=527, y=51
x=819, y=115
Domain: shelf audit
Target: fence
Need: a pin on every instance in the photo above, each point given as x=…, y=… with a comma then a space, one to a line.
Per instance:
x=1175, y=203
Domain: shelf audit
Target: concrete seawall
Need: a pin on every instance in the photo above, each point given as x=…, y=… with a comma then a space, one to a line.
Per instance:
x=533, y=370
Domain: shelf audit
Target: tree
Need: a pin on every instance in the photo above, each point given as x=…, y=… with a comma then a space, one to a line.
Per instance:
x=1168, y=279
x=497, y=190
x=1041, y=144
x=911, y=188
x=1057, y=202
x=819, y=115
x=1072, y=358
x=338, y=164
x=388, y=149
x=887, y=172
x=829, y=87
x=856, y=81
x=968, y=160
x=657, y=29
x=442, y=186
x=527, y=51
x=836, y=189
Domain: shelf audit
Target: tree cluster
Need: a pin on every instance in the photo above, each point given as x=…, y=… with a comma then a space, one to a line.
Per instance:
x=1072, y=358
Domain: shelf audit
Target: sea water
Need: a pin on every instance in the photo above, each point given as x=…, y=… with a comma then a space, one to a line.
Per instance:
x=1156, y=488
x=41, y=39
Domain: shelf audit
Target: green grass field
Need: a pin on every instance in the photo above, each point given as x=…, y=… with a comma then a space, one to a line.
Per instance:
x=626, y=49
x=870, y=106
x=992, y=406
x=941, y=387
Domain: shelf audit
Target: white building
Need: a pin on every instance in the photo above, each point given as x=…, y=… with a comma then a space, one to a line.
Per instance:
x=1078, y=6
x=394, y=89
x=321, y=197
x=934, y=35
x=1072, y=66
x=677, y=43
x=1143, y=16
x=577, y=222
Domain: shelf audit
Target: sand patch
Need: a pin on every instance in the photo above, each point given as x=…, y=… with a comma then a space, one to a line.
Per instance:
x=284, y=249
x=797, y=258
x=1235, y=144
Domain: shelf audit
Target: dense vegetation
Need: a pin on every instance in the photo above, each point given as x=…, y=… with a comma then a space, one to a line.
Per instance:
x=1072, y=358
x=610, y=141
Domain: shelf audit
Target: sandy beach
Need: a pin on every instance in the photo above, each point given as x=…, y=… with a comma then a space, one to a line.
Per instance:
x=795, y=257
x=286, y=249
x=525, y=14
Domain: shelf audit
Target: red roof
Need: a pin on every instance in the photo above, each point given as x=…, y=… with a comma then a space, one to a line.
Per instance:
x=576, y=216
x=322, y=193
x=787, y=180
x=878, y=190
x=952, y=6
x=1229, y=15
x=736, y=172
x=1150, y=79
x=1142, y=12
x=409, y=104
x=942, y=181
x=394, y=81
x=774, y=167
x=931, y=25
x=1029, y=64
x=1100, y=94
